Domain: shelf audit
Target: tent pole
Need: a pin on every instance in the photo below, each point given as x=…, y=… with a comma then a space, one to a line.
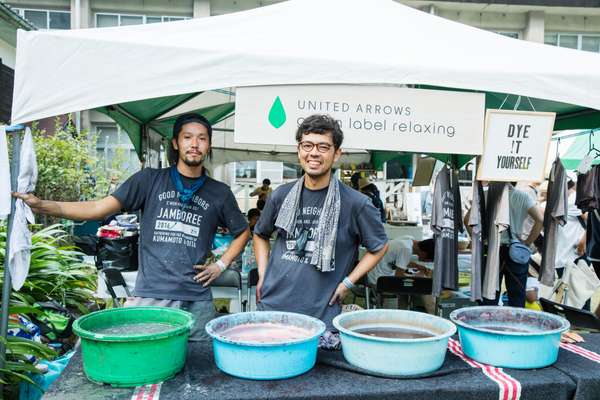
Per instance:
x=6, y=284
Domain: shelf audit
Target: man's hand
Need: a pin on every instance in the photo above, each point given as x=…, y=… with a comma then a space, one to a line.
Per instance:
x=31, y=200
x=259, y=286
x=339, y=294
x=208, y=273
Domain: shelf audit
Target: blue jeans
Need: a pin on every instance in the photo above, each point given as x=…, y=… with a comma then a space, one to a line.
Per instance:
x=515, y=276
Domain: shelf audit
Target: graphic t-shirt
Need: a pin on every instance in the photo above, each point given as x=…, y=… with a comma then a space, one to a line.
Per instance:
x=291, y=283
x=175, y=236
x=444, y=225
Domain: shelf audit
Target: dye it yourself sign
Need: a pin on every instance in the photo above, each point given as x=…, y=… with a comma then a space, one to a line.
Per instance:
x=371, y=117
x=516, y=146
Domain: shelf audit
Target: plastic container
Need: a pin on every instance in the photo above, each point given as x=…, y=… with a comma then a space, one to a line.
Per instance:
x=394, y=356
x=509, y=337
x=133, y=360
x=261, y=361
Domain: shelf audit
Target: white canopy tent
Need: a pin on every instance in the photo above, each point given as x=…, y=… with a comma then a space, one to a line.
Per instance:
x=295, y=42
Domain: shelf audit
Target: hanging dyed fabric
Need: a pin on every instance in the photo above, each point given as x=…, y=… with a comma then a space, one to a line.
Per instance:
x=555, y=214
x=444, y=225
x=20, y=238
x=478, y=235
x=497, y=220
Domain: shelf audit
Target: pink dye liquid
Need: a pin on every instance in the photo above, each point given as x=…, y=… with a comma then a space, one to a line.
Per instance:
x=265, y=332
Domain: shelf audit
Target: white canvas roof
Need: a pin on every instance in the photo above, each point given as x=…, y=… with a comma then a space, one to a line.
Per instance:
x=296, y=42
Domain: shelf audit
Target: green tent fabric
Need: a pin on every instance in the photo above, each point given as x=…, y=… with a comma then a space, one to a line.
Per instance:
x=136, y=116
x=567, y=117
x=580, y=148
x=378, y=158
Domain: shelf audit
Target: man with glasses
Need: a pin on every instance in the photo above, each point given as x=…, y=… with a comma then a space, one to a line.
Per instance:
x=320, y=223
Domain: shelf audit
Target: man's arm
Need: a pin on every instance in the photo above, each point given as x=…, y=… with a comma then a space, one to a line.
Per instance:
x=536, y=214
x=262, y=247
x=76, y=210
x=367, y=263
x=208, y=273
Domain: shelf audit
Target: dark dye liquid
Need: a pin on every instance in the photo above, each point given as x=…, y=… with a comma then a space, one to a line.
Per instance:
x=394, y=333
x=501, y=328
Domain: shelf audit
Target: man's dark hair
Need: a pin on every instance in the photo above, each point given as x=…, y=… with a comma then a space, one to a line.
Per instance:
x=253, y=212
x=266, y=181
x=321, y=124
x=570, y=184
x=260, y=204
x=428, y=247
x=183, y=119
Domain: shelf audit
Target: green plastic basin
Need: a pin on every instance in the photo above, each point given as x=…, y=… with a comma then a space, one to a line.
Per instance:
x=133, y=360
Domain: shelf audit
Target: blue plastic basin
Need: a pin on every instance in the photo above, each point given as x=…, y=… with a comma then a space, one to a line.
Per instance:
x=263, y=361
x=394, y=356
x=509, y=337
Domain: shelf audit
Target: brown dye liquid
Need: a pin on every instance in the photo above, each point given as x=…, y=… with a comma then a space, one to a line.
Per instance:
x=394, y=333
x=503, y=328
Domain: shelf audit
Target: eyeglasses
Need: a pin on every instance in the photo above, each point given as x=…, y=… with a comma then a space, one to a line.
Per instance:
x=308, y=146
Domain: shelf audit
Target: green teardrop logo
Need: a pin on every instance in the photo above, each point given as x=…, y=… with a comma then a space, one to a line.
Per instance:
x=277, y=115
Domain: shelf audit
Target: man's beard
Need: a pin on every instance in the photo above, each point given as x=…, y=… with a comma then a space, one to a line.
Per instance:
x=192, y=163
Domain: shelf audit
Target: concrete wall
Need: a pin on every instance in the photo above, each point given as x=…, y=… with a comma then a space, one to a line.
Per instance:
x=182, y=8
x=7, y=54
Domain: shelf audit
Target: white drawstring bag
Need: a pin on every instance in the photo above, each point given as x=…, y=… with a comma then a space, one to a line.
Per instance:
x=578, y=284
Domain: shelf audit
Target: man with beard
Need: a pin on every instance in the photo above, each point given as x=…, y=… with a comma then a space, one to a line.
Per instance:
x=320, y=223
x=181, y=210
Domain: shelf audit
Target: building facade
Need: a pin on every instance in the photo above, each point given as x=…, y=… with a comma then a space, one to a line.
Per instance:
x=566, y=23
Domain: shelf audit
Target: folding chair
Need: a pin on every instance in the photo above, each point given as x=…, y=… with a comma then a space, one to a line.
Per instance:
x=357, y=291
x=579, y=319
x=230, y=278
x=402, y=286
x=252, y=281
x=113, y=278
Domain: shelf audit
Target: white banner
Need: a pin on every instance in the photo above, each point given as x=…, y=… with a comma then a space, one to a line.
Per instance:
x=372, y=117
x=516, y=145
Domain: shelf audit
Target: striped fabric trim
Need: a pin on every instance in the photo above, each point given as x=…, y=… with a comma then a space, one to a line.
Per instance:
x=147, y=392
x=509, y=387
x=590, y=355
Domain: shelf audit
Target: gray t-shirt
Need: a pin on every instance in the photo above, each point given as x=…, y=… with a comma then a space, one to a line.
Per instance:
x=555, y=214
x=444, y=226
x=498, y=219
x=476, y=219
x=175, y=236
x=291, y=283
x=519, y=204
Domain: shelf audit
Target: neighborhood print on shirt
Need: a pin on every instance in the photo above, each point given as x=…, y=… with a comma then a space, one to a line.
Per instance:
x=176, y=222
x=307, y=219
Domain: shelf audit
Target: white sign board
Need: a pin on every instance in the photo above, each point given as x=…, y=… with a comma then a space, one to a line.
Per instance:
x=516, y=146
x=372, y=117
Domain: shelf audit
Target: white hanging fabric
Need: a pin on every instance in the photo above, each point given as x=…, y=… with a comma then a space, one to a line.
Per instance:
x=20, y=238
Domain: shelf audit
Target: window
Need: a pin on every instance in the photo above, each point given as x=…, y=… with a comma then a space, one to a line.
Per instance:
x=586, y=42
x=104, y=20
x=292, y=171
x=46, y=19
x=115, y=150
x=245, y=170
x=514, y=35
